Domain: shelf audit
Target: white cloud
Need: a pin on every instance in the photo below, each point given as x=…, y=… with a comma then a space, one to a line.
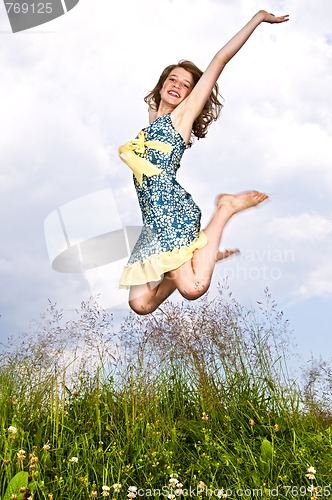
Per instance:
x=303, y=227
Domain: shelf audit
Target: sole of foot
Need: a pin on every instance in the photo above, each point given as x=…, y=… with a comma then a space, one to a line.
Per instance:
x=237, y=202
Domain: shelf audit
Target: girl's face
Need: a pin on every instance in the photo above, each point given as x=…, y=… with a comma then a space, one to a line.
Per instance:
x=177, y=86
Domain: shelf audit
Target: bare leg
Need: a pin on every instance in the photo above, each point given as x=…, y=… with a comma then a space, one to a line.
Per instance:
x=144, y=299
x=193, y=278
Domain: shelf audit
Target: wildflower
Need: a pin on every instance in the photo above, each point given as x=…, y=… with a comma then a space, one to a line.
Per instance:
x=276, y=427
x=221, y=494
x=117, y=487
x=204, y=416
x=94, y=493
x=74, y=460
x=173, y=482
x=47, y=446
x=251, y=422
x=311, y=473
x=132, y=492
x=14, y=496
x=171, y=496
x=21, y=455
x=106, y=490
x=201, y=485
x=11, y=429
x=179, y=490
x=33, y=458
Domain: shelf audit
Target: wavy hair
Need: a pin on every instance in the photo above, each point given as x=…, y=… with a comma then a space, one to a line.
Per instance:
x=211, y=109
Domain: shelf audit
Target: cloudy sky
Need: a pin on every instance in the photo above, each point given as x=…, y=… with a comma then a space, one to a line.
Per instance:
x=72, y=92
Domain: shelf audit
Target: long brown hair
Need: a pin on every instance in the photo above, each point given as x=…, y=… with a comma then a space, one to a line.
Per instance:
x=212, y=107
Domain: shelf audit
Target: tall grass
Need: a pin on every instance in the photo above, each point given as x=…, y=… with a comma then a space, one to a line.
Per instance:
x=194, y=400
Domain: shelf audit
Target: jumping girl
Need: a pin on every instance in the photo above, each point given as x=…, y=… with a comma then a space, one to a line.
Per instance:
x=172, y=252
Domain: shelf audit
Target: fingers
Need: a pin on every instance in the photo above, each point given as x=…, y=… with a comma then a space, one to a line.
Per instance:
x=272, y=19
x=280, y=19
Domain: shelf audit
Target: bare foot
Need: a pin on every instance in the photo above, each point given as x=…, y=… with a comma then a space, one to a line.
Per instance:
x=226, y=253
x=237, y=202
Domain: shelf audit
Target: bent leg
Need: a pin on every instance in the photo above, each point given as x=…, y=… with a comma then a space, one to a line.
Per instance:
x=193, y=278
x=144, y=299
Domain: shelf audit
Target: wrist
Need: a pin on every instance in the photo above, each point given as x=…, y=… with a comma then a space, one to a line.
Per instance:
x=260, y=16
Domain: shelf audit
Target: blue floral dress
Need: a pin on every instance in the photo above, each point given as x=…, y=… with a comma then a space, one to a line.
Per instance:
x=171, y=219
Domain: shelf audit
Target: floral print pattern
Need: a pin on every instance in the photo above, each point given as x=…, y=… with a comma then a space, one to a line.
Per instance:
x=171, y=219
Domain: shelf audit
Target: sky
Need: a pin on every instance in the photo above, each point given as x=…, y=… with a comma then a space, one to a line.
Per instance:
x=72, y=92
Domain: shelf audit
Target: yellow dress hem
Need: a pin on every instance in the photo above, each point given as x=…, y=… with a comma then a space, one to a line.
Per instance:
x=155, y=266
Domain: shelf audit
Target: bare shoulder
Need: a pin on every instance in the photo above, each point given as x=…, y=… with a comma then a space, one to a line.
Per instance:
x=152, y=115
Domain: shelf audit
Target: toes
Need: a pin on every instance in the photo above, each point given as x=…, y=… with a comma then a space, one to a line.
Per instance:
x=227, y=253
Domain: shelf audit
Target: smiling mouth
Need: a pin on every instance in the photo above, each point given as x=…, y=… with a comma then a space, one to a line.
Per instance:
x=173, y=93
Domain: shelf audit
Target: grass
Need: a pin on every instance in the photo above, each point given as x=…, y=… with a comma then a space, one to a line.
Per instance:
x=194, y=400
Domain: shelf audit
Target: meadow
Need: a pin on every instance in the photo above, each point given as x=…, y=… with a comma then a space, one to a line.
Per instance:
x=197, y=400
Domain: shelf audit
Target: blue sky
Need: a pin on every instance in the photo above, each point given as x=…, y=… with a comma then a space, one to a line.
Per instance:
x=72, y=91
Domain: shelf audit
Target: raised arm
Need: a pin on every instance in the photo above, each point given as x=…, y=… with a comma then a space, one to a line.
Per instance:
x=194, y=103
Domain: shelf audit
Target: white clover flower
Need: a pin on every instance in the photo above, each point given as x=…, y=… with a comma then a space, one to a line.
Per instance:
x=221, y=494
x=173, y=482
x=46, y=447
x=179, y=491
x=311, y=473
x=201, y=485
x=105, y=488
x=205, y=416
x=11, y=429
x=117, y=487
x=133, y=489
x=21, y=455
x=74, y=460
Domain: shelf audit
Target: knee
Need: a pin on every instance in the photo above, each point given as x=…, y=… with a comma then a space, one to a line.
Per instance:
x=141, y=307
x=194, y=291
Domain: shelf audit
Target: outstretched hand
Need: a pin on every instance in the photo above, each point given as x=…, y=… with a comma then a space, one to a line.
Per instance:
x=272, y=19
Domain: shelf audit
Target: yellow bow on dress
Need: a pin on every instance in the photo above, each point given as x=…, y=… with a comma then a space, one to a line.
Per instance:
x=140, y=165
